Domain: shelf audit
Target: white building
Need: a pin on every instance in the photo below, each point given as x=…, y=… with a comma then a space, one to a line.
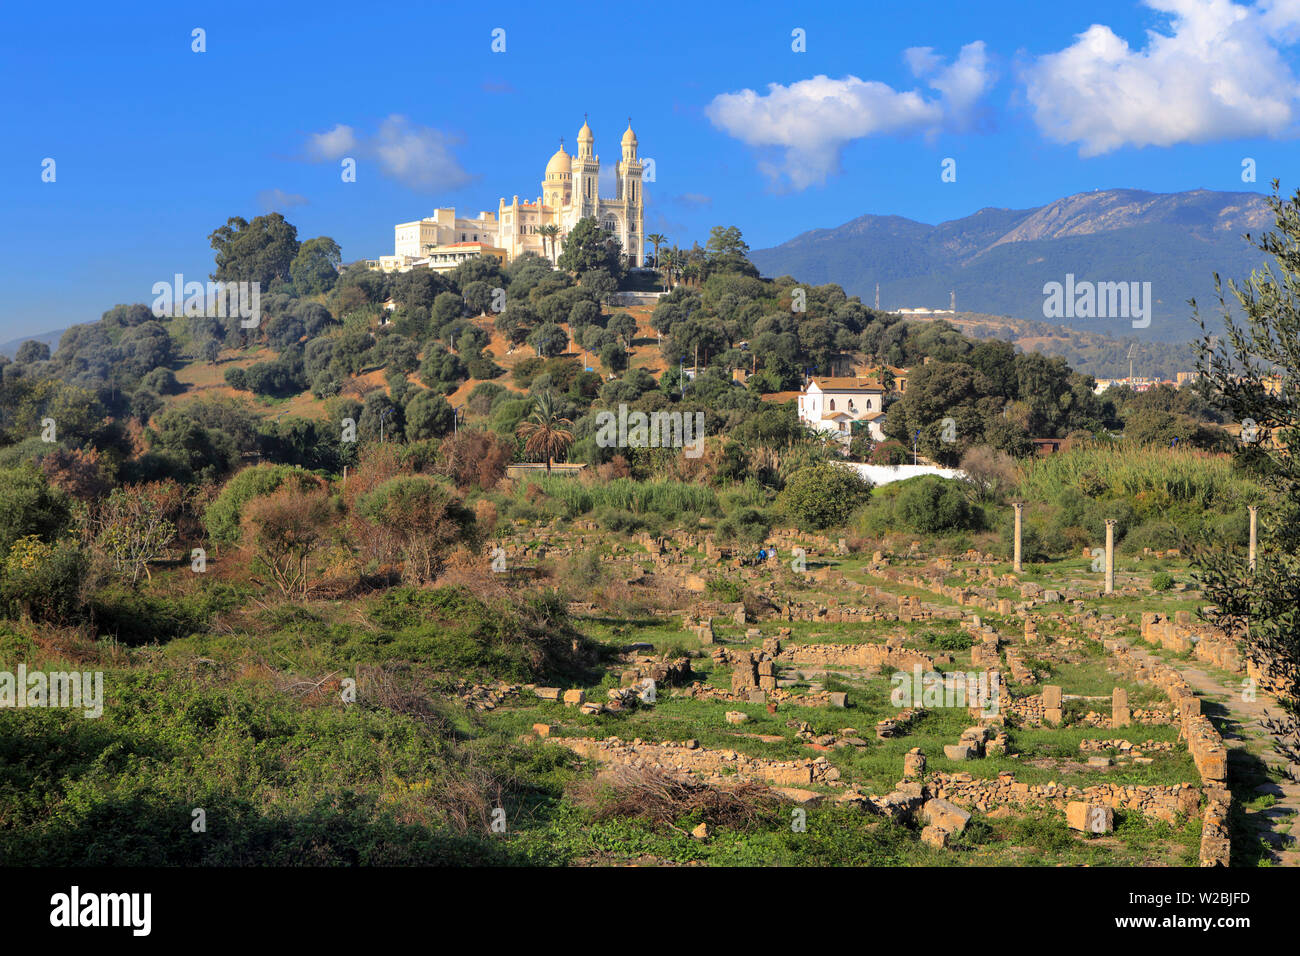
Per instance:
x=834, y=404
x=570, y=192
x=413, y=240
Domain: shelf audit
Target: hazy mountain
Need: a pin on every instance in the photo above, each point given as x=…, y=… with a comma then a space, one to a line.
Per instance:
x=50, y=338
x=998, y=260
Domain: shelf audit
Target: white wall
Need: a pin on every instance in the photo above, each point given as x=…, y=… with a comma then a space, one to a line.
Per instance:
x=884, y=474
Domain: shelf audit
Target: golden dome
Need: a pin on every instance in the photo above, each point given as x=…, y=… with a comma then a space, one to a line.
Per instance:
x=629, y=138
x=584, y=134
x=561, y=163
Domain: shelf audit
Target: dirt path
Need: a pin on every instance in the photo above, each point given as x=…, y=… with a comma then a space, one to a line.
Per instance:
x=1250, y=753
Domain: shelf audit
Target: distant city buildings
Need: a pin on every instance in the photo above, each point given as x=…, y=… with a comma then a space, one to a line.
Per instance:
x=1139, y=384
x=923, y=313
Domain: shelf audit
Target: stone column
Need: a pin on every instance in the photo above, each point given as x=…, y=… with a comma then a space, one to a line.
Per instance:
x=1254, y=512
x=1110, y=555
x=1052, y=709
x=1120, y=715
x=1015, y=560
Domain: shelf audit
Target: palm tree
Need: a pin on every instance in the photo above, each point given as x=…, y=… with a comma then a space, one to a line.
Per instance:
x=656, y=239
x=549, y=232
x=691, y=271
x=666, y=266
x=545, y=433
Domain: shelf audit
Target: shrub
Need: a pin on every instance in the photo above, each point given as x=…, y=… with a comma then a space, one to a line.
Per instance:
x=424, y=515
x=1156, y=535
x=931, y=504
x=748, y=525
x=456, y=632
x=43, y=580
x=1162, y=581
x=824, y=495
x=954, y=641
x=29, y=506
x=135, y=618
x=222, y=518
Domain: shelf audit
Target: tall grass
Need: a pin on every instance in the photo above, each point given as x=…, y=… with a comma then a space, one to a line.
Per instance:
x=1153, y=473
x=668, y=498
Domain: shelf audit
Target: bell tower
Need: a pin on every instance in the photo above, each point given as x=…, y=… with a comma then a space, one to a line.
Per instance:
x=586, y=173
x=630, y=184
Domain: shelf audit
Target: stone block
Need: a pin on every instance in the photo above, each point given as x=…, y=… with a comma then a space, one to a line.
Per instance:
x=574, y=698
x=913, y=763
x=934, y=836
x=1089, y=817
x=945, y=814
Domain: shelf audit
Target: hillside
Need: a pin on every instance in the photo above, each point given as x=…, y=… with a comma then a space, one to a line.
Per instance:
x=10, y=348
x=997, y=260
x=1101, y=356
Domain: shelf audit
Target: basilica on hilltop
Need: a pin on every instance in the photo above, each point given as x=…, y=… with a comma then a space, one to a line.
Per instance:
x=570, y=192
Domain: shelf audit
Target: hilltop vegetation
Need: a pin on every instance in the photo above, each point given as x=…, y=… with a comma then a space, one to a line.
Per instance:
x=320, y=604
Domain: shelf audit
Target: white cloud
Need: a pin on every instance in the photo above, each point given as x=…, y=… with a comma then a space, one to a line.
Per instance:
x=273, y=200
x=1218, y=73
x=332, y=144
x=418, y=156
x=694, y=199
x=812, y=120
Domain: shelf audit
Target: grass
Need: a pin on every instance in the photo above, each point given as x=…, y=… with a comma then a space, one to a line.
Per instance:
x=1153, y=474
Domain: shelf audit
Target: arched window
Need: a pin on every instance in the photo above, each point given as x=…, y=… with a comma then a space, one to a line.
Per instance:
x=832, y=404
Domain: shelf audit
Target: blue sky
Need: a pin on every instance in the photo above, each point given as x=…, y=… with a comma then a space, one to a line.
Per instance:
x=156, y=145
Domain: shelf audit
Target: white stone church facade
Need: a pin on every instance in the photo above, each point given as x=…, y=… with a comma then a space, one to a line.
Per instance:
x=570, y=192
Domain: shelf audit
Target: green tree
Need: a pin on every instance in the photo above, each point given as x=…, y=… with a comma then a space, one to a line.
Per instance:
x=623, y=325
x=656, y=239
x=315, y=269
x=546, y=434
x=428, y=415
x=1256, y=367
x=549, y=233
x=824, y=495
x=931, y=505
x=588, y=247
x=599, y=284
x=258, y=251
x=133, y=526
x=549, y=340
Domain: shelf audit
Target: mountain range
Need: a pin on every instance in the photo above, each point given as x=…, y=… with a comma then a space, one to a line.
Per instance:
x=51, y=339
x=997, y=261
